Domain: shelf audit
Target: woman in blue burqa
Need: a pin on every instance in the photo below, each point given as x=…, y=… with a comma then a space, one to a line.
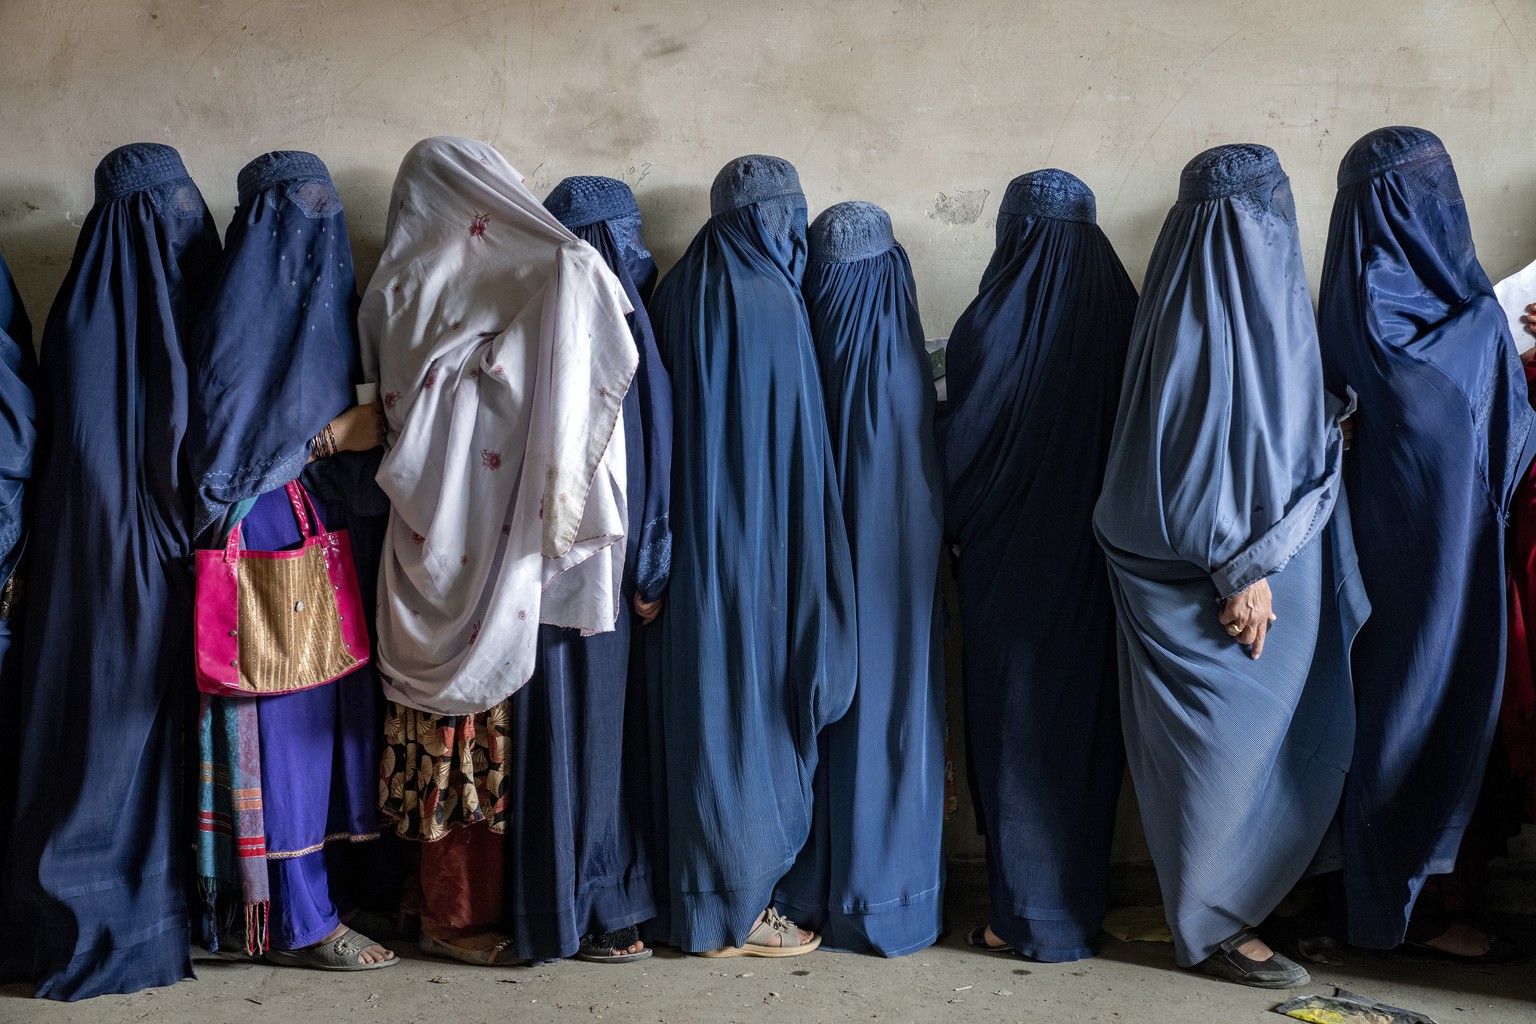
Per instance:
x=1034, y=365
x=758, y=632
x=871, y=876
x=1409, y=321
x=94, y=891
x=288, y=782
x=18, y=438
x=1231, y=566
x=578, y=857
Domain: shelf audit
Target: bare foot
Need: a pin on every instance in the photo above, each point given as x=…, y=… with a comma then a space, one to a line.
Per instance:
x=1256, y=949
x=374, y=954
x=635, y=947
x=991, y=937
x=1460, y=939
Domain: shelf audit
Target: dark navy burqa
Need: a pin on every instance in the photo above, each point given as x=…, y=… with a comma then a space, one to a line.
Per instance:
x=1409, y=320
x=758, y=633
x=275, y=359
x=578, y=860
x=18, y=438
x=94, y=892
x=1223, y=471
x=1034, y=368
x=870, y=876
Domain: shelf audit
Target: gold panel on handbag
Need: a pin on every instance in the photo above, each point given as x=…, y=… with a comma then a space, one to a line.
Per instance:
x=290, y=627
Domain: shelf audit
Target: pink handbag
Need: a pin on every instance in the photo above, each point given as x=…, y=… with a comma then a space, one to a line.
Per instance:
x=279, y=621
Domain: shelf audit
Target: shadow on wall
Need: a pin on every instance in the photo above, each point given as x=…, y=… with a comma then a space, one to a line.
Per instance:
x=41, y=238
x=364, y=188
x=672, y=215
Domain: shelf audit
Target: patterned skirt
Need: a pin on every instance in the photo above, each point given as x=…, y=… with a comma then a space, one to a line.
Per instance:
x=441, y=772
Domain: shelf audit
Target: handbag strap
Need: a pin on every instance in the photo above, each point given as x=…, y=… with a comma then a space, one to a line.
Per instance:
x=303, y=508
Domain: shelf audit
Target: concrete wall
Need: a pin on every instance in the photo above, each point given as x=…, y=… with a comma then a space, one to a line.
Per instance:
x=926, y=108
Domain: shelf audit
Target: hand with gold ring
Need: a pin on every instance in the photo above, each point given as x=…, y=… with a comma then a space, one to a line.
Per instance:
x=1249, y=611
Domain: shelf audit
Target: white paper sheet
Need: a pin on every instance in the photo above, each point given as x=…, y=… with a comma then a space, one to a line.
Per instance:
x=1514, y=293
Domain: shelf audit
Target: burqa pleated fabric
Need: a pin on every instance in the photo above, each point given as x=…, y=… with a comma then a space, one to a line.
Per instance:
x=18, y=439
x=578, y=860
x=276, y=360
x=758, y=632
x=1034, y=370
x=94, y=894
x=1224, y=470
x=1409, y=320
x=870, y=876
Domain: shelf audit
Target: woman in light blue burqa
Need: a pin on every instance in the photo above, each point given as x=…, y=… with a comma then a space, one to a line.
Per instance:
x=870, y=878
x=1232, y=568
x=757, y=636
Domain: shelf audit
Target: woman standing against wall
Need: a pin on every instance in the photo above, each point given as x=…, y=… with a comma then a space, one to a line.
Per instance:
x=502, y=350
x=1035, y=364
x=758, y=641
x=1222, y=477
x=1443, y=435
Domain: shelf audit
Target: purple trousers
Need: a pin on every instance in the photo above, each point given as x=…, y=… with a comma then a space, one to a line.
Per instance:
x=319, y=765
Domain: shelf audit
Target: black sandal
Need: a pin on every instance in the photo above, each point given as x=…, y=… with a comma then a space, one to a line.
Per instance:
x=598, y=948
x=977, y=939
x=1227, y=963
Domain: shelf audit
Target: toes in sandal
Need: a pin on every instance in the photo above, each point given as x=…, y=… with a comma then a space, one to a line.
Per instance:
x=977, y=939
x=602, y=947
x=757, y=944
x=1276, y=972
x=340, y=954
x=496, y=955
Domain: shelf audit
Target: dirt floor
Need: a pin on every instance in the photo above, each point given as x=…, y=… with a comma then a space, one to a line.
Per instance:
x=1128, y=982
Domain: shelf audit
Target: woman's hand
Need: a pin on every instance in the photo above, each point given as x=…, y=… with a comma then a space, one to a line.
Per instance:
x=1246, y=616
x=359, y=428
x=1347, y=425
x=647, y=610
x=1529, y=319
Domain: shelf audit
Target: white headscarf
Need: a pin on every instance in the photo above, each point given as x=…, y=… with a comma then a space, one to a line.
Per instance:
x=500, y=347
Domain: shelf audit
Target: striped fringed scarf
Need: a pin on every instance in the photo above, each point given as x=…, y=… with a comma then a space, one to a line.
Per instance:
x=231, y=831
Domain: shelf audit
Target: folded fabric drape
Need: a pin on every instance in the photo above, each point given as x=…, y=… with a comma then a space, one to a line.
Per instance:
x=500, y=345
x=1224, y=471
x=1443, y=433
x=1034, y=369
x=758, y=633
x=94, y=892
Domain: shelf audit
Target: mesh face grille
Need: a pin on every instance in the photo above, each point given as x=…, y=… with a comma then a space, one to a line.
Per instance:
x=315, y=199
x=1434, y=178
x=178, y=199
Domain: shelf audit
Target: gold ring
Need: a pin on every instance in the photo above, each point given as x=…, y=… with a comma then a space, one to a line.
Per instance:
x=1233, y=629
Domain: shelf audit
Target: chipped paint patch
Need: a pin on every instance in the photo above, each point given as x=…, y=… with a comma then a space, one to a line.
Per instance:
x=959, y=207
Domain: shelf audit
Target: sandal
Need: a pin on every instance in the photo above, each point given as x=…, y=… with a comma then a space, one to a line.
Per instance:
x=1227, y=963
x=340, y=954
x=773, y=923
x=599, y=947
x=977, y=939
x=490, y=956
